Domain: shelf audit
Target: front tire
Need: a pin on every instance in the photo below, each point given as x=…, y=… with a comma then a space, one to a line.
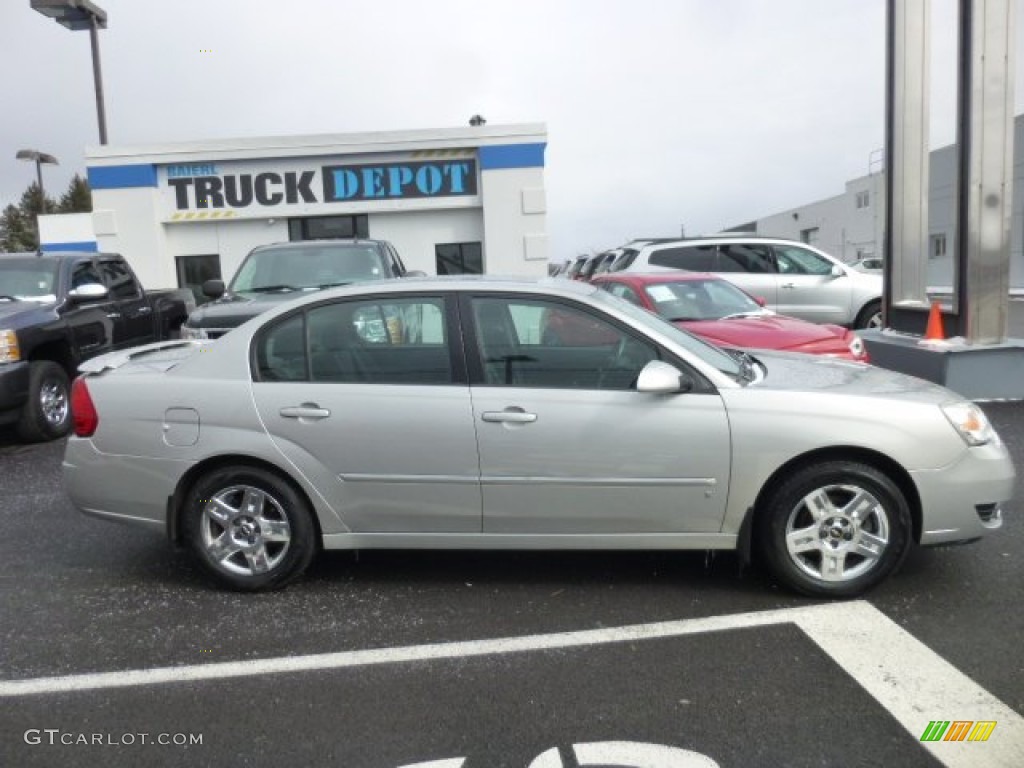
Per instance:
x=870, y=317
x=834, y=529
x=47, y=414
x=249, y=528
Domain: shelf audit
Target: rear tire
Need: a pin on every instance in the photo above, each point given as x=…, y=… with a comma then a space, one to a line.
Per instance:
x=249, y=528
x=47, y=414
x=834, y=529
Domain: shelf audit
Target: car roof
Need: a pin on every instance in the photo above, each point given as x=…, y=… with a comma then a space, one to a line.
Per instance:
x=645, y=278
x=310, y=244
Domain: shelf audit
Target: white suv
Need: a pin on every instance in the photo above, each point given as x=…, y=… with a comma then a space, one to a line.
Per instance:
x=793, y=278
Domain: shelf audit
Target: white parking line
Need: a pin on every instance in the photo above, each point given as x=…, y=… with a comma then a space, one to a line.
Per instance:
x=907, y=678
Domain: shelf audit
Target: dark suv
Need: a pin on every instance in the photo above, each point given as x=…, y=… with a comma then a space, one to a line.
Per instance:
x=274, y=273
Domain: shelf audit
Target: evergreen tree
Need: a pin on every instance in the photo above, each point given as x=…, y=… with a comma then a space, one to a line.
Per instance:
x=16, y=231
x=32, y=203
x=77, y=198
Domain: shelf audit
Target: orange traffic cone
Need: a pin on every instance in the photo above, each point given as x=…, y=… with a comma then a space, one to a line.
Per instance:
x=934, y=330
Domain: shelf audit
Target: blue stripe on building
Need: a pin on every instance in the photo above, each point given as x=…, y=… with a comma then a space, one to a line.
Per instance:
x=82, y=245
x=512, y=156
x=122, y=176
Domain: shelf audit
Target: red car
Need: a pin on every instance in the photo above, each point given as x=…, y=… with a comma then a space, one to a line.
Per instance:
x=719, y=312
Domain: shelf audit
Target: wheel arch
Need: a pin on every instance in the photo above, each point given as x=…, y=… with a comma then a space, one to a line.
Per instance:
x=176, y=501
x=893, y=469
x=58, y=352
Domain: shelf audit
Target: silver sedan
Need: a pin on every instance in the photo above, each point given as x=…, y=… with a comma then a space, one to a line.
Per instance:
x=499, y=414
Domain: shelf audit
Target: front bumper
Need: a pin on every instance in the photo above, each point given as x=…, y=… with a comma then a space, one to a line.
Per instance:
x=13, y=390
x=965, y=500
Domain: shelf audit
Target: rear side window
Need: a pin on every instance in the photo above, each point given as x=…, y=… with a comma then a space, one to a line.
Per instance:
x=741, y=257
x=696, y=258
x=281, y=351
x=120, y=282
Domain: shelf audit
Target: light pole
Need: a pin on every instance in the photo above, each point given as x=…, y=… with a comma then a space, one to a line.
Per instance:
x=39, y=158
x=77, y=15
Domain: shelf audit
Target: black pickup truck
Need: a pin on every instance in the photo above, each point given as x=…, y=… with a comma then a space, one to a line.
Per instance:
x=58, y=309
x=272, y=274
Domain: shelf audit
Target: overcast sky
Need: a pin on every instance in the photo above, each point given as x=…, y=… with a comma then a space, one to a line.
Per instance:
x=661, y=114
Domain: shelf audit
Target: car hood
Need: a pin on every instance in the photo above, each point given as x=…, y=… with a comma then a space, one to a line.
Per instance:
x=17, y=314
x=232, y=310
x=767, y=332
x=804, y=373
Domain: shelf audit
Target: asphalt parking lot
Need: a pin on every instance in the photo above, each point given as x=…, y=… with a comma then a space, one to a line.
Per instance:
x=106, y=634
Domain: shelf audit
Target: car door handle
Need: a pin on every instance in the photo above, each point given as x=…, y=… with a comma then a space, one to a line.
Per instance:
x=305, y=411
x=114, y=315
x=509, y=417
x=145, y=310
x=789, y=285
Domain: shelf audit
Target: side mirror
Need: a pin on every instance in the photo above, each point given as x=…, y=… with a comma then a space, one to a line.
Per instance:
x=213, y=288
x=760, y=301
x=837, y=271
x=415, y=273
x=658, y=378
x=88, y=292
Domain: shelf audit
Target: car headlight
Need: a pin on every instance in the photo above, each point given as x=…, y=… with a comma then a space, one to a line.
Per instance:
x=9, y=350
x=188, y=333
x=970, y=421
x=856, y=346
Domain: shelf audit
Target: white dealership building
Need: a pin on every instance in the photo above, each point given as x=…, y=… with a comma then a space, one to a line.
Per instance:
x=453, y=200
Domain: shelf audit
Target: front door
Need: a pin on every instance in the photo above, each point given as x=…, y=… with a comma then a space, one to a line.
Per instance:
x=368, y=400
x=568, y=446
x=808, y=289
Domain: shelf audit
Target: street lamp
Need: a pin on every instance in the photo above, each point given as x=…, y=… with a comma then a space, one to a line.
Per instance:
x=39, y=158
x=76, y=15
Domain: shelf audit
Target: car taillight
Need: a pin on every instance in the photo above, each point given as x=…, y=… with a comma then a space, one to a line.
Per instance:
x=83, y=411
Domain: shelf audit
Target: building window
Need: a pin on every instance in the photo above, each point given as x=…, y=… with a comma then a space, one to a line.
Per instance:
x=327, y=227
x=937, y=245
x=809, y=236
x=863, y=199
x=459, y=259
x=193, y=271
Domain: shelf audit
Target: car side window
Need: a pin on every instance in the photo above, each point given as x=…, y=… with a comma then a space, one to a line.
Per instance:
x=696, y=258
x=799, y=261
x=742, y=257
x=281, y=351
x=387, y=341
x=545, y=344
x=623, y=291
x=85, y=273
x=120, y=282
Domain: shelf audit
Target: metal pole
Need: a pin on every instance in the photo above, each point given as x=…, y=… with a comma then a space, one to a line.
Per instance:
x=98, y=79
x=39, y=179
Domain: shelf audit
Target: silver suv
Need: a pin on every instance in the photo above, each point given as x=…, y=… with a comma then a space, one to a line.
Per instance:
x=793, y=278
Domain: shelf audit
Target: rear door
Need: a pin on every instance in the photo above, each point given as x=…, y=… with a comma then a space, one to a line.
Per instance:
x=751, y=266
x=567, y=445
x=371, y=396
x=134, y=324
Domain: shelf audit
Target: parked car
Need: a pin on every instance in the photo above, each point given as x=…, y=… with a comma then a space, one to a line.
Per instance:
x=869, y=264
x=794, y=278
x=272, y=274
x=58, y=309
x=718, y=311
x=462, y=426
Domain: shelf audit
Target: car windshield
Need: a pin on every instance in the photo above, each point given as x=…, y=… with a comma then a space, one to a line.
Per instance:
x=709, y=353
x=700, y=300
x=28, y=278
x=307, y=268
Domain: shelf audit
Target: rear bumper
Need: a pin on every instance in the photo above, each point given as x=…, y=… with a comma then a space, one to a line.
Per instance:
x=13, y=390
x=964, y=501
